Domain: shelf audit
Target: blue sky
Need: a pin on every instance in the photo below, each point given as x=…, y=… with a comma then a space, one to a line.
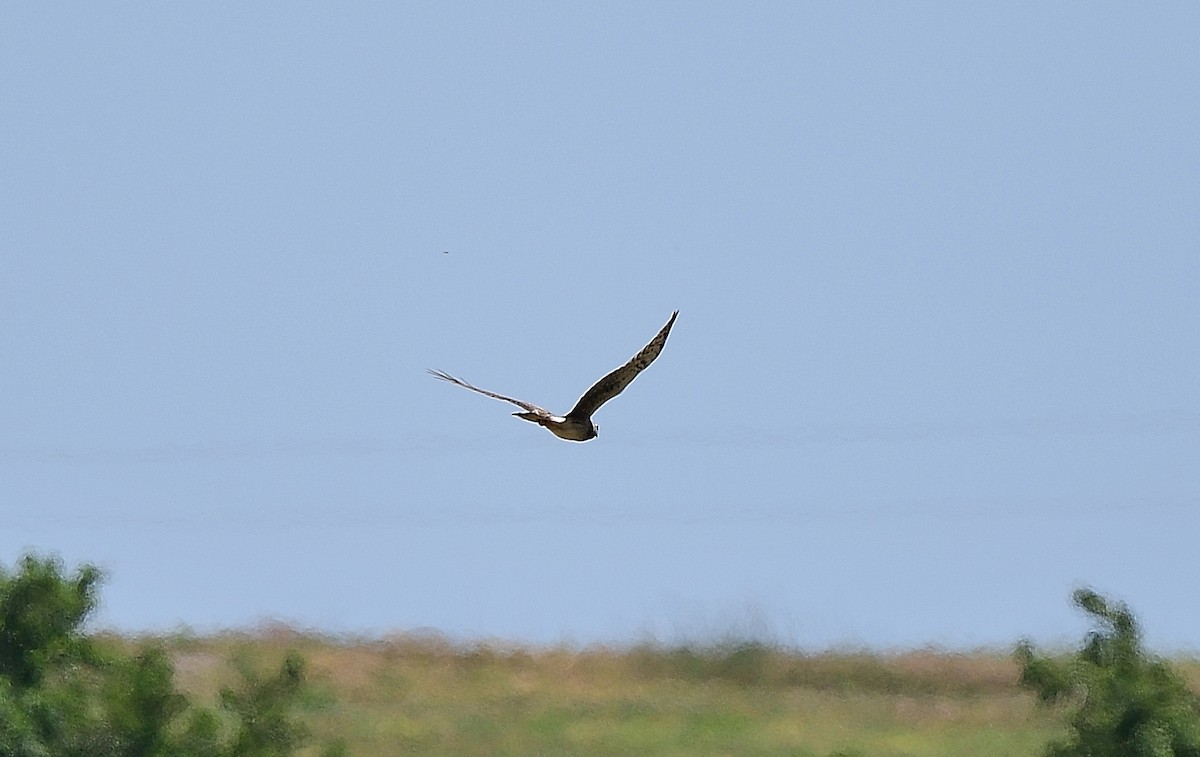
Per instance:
x=936, y=363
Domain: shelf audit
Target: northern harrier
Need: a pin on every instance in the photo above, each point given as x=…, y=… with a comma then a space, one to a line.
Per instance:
x=577, y=425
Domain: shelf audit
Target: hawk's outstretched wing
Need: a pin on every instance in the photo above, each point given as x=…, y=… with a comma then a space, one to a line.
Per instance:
x=527, y=406
x=612, y=384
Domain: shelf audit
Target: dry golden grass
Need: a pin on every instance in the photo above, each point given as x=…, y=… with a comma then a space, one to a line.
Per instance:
x=422, y=694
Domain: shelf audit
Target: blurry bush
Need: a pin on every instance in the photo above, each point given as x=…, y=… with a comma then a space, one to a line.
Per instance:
x=1120, y=700
x=61, y=696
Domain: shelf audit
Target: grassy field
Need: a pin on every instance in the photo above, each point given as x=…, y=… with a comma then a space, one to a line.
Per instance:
x=425, y=695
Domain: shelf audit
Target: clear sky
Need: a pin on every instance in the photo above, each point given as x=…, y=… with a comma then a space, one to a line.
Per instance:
x=936, y=365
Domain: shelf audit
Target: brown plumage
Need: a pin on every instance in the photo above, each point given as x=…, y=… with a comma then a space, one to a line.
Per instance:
x=577, y=425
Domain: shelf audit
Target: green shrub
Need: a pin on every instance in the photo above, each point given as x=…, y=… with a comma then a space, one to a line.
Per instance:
x=60, y=697
x=40, y=615
x=1122, y=701
x=263, y=706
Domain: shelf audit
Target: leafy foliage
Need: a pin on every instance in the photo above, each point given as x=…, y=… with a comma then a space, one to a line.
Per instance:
x=1123, y=702
x=59, y=697
x=262, y=707
x=40, y=612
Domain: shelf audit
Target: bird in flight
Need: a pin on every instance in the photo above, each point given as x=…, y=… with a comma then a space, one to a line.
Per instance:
x=577, y=425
